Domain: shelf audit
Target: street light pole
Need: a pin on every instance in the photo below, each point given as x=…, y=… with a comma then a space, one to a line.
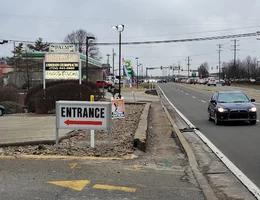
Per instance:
x=120, y=29
x=137, y=71
x=87, y=45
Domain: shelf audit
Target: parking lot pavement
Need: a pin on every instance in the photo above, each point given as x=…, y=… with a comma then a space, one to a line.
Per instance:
x=28, y=128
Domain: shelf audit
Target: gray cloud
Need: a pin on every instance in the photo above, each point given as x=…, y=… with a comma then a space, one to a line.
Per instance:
x=144, y=20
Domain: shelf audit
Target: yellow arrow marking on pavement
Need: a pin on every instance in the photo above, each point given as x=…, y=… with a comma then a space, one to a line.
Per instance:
x=136, y=168
x=73, y=165
x=75, y=185
x=111, y=187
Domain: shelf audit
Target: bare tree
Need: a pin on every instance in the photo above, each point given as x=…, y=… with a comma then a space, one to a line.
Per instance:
x=78, y=38
x=203, y=70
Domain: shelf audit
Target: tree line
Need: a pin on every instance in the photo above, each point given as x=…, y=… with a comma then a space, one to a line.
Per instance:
x=245, y=69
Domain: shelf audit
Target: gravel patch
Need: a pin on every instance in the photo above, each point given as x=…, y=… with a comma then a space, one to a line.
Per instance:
x=123, y=131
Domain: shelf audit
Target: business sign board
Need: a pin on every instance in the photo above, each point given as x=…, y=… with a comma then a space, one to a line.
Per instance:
x=62, y=48
x=61, y=66
x=61, y=57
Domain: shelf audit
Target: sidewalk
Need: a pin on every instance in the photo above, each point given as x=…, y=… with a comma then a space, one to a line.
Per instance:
x=140, y=96
x=28, y=128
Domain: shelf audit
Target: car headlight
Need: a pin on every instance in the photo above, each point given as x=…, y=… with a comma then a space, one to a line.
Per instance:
x=253, y=109
x=222, y=109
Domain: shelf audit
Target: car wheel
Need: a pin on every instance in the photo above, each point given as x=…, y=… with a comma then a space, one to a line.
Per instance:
x=1, y=112
x=216, y=119
x=215, y=85
x=109, y=88
x=253, y=122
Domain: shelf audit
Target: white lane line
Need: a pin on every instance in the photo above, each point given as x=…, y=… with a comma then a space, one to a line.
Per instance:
x=203, y=101
x=187, y=94
x=178, y=89
x=238, y=173
x=193, y=97
x=182, y=91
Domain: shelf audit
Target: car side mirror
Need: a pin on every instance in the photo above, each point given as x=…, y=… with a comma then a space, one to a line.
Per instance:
x=213, y=101
x=252, y=100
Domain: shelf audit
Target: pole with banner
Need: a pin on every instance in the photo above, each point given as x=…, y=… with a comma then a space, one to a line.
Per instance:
x=92, y=132
x=128, y=78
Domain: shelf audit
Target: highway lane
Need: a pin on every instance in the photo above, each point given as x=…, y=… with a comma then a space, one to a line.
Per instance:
x=238, y=141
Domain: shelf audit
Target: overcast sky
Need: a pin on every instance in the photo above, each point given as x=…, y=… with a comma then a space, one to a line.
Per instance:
x=144, y=20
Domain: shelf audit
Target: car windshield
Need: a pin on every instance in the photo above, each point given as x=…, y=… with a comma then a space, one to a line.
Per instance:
x=232, y=98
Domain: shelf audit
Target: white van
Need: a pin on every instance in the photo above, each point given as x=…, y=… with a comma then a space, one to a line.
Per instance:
x=112, y=79
x=211, y=81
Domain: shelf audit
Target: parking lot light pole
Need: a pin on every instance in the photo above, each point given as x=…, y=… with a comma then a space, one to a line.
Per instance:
x=120, y=29
x=87, y=46
x=137, y=72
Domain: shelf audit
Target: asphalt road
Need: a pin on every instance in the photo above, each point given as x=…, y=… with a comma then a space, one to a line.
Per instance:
x=238, y=141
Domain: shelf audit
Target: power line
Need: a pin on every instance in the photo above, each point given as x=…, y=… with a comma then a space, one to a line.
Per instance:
x=162, y=41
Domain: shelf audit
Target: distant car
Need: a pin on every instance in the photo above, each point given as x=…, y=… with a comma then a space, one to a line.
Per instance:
x=226, y=82
x=231, y=106
x=107, y=84
x=211, y=81
x=2, y=109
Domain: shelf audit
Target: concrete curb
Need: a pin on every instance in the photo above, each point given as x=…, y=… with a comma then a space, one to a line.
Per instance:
x=140, y=138
x=38, y=142
x=202, y=181
x=57, y=157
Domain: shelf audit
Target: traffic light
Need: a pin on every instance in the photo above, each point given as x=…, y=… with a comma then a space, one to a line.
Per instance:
x=161, y=67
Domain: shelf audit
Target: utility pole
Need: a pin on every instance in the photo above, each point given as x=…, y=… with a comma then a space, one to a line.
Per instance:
x=219, y=50
x=179, y=67
x=188, y=66
x=113, y=60
x=108, y=65
x=235, y=53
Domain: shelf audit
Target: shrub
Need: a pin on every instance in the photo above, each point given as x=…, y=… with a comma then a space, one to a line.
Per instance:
x=11, y=107
x=8, y=93
x=29, y=100
x=45, y=101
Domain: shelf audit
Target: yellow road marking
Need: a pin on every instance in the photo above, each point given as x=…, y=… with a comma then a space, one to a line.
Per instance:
x=73, y=165
x=136, y=168
x=111, y=187
x=75, y=184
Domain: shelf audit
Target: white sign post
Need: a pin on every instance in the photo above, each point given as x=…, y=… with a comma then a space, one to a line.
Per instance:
x=84, y=115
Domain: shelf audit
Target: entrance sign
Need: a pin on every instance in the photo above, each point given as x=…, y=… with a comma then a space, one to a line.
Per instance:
x=62, y=48
x=83, y=115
